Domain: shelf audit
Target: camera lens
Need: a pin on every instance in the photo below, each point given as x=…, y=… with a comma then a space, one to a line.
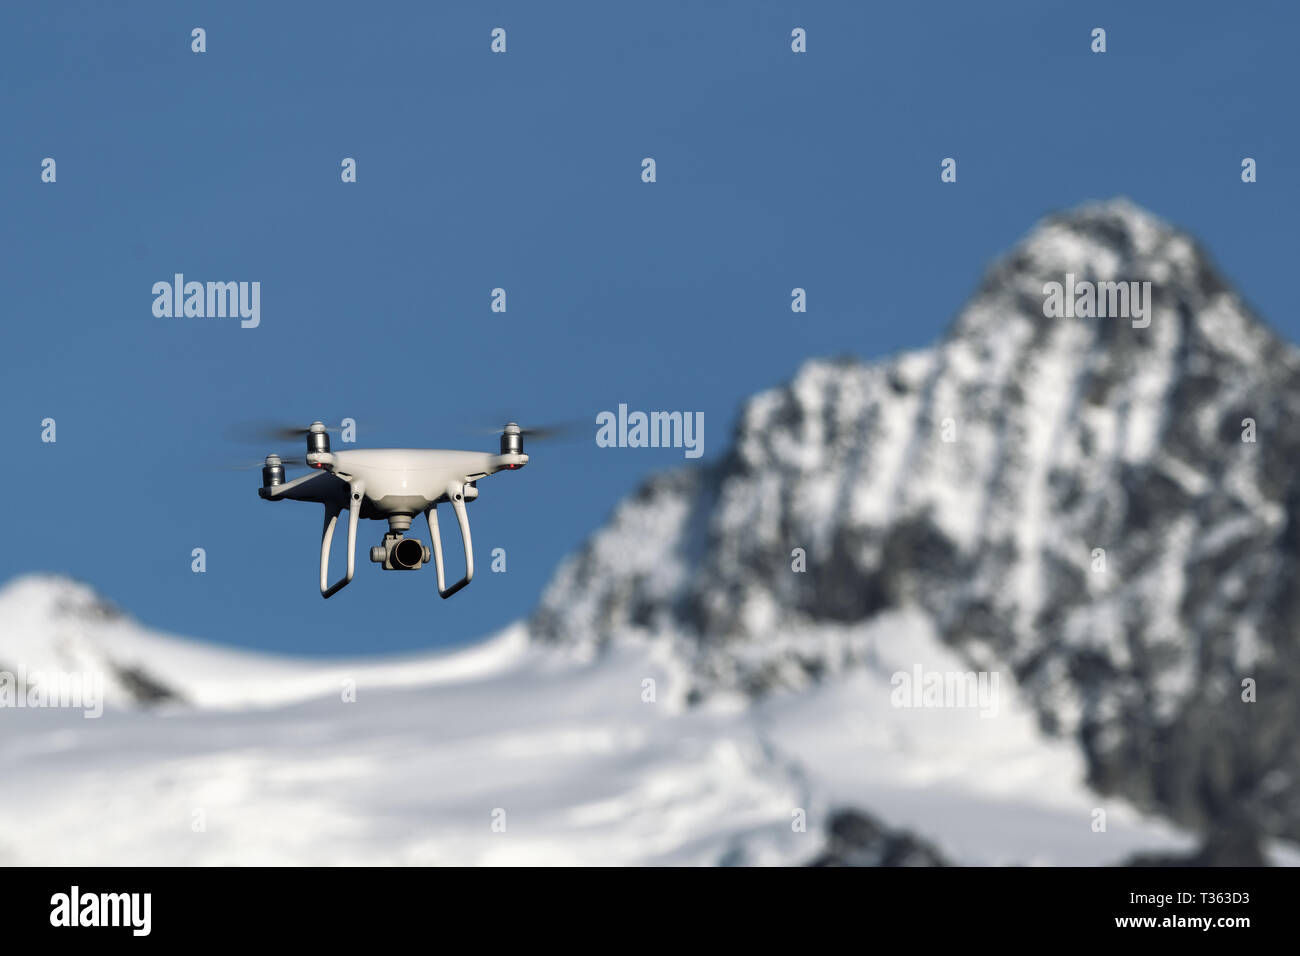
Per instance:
x=408, y=553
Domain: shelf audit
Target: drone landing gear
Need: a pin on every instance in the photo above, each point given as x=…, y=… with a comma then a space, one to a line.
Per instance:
x=397, y=552
x=357, y=488
x=456, y=496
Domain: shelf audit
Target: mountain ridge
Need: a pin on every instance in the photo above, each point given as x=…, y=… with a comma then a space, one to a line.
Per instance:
x=56, y=624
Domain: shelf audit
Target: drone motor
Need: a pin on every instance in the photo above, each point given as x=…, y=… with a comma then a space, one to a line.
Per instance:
x=272, y=472
x=512, y=440
x=318, y=439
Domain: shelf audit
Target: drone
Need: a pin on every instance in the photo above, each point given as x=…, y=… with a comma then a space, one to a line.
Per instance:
x=392, y=484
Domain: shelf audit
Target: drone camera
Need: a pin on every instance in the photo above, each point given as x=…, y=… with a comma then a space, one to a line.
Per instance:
x=407, y=554
x=400, y=554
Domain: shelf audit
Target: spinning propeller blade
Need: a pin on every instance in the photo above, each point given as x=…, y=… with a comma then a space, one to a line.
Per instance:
x=258, y=433
x=291, y=460
x=552, y=431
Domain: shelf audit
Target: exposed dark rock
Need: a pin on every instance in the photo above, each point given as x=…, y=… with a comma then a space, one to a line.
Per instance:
x=143, y=688
x=855, y=838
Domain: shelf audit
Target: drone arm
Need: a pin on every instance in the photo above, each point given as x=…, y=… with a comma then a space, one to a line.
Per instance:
x=332, y=510
x=456, y=495
x=294, y=490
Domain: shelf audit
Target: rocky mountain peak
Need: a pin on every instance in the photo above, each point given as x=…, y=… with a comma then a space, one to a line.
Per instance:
x=1102, y=505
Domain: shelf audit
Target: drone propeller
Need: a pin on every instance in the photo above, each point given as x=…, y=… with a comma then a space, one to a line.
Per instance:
x=549, y=432
x=291, y=460
x=553, y=431
x=256, y=433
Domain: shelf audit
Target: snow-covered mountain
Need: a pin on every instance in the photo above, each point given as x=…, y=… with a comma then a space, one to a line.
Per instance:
x=1067, y=504
x=52, y=624
x=251, y=759
x=1069, y=499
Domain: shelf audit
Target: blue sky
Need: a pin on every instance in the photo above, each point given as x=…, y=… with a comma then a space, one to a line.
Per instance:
x=522, y=171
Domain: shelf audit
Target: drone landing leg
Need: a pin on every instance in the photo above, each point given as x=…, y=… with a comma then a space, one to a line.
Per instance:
x=327, y=537
x=456, y=495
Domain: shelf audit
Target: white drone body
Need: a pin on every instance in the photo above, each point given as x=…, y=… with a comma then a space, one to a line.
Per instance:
x=393, y=484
